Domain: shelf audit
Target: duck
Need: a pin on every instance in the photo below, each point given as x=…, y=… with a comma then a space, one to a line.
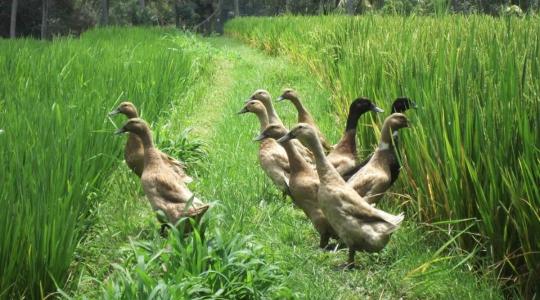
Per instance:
x=344, y=156
x=303, y=185
x=303, y=114
x=134, y=150
x=359, y=225
x=400, y=105
x=273, y=118
x=162, y=185
x=272, y=157
x=375, y=177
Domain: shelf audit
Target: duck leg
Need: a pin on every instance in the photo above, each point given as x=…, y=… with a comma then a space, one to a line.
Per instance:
x=323, y=244
x=163, y=231
x=350, y=261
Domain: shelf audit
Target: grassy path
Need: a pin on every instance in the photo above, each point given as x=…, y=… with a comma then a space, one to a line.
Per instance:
x=250, y=205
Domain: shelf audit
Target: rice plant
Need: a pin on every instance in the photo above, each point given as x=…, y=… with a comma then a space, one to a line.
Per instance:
x=58, y=148
x=474, y=151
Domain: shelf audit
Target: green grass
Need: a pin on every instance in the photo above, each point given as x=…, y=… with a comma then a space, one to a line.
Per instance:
x=58, y=149
x=473, y=152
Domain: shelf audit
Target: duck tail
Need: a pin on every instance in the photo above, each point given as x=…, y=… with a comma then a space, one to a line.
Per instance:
x=396, y=222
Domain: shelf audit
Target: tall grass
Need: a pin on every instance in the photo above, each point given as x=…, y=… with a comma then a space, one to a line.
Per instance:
x=58, y=147
x=474, y=149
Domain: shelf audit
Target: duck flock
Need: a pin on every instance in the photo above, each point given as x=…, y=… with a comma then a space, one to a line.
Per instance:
x=336, y=191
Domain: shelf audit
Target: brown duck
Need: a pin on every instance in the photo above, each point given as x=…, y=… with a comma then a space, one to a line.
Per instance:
x=303, y=114
x=272, y=157
x=375, y=177
x=273, y=118
x=162, y=185
x=361, y=226
x=134, y=150
x=303, y=184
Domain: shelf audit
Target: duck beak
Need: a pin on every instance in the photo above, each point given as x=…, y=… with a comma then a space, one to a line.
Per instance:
x=280, y=98
x=120, y=131
x=260, y=137
x=289, y=136
x=377, y=109
x=414, y=105
x=242, y=111
x=114, y=112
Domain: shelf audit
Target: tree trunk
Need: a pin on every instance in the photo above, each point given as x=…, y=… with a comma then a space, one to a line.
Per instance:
x=141, y=5
x=104, y=13
x=288, y=6
x=350, y=7
x=44, y=18
x=177, y=14
x=237, y=8
x=13, y=23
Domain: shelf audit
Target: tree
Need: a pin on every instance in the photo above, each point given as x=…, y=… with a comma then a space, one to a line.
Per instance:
x=236, y=8
x=44, y=18
x=13, y=22
x=104, y=13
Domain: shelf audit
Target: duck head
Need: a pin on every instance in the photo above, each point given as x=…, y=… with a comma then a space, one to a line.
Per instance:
x=357, y=108
x=362, y=105
x=288, y=94
x=396, y=121
x=274, y=131
x=135, y=125
x=253, y=106
x=402, y=104
x=126, y=108
x=305, y=133
x=261, y=95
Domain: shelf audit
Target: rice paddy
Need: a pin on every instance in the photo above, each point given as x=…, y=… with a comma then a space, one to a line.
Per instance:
x=472, y=155
x=75, y=222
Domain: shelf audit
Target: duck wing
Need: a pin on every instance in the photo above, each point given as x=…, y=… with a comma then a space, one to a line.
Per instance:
x=359, y=208
x=177, y=166
x=170, y=189
x=369, y=182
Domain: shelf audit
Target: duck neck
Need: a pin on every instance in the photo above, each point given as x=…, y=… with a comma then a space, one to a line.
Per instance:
x=150, y=152
x=296, y=161
x=387, y=138
x=325, y=170
x=349, y=137
x=263, y=120
x=273, y=118
x=303, y=114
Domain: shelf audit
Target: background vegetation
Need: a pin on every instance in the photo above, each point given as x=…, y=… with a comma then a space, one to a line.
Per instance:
x=47, y=18
x=473, y=153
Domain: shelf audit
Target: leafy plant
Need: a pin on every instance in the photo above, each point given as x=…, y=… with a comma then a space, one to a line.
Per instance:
x=206, y=264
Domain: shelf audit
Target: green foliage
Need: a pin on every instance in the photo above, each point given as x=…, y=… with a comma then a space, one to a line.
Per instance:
x=205, y=264
x=473, y=151
x=58, y=147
